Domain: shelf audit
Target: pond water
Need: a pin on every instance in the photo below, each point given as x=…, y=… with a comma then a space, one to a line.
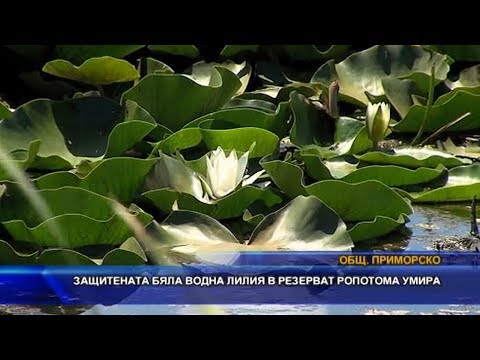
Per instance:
x=430, y=227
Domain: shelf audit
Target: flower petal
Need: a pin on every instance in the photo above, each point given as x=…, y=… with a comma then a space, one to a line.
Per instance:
x=253, y=178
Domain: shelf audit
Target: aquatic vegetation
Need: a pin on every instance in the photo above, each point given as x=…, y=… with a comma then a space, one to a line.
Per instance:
x=129, y=156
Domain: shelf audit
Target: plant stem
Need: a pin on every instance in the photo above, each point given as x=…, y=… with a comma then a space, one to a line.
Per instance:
x=473, y=218
x=100, y=90
x=333, y=90
x=431, y=88
x=444, y=127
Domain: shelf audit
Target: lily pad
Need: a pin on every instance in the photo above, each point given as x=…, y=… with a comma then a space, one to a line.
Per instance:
x=375, y=217
x=100, y=179
x=469, y=79
x=287, y=176
x=77, y=54
x=18, y=160
x=228, y=136
x=446, y=109
x=150, y=65
x=70, y=217
x=230, y=206
x=390, y=175
x=462, y=185
x=5, y=112
x=276, y=121
x=351, y=137
x=380, y=226
x=70, y=131
x=95, y=71
x=400, y=93
x=469, y=151
x=363, y=72
x=157, y=92
x=305, y=224
x=202, y=72
x=387, y=202
x=413, y=158
x=310, y=126
x=129, y=253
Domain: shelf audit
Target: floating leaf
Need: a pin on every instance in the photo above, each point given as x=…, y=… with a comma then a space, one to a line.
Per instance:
x=100, y=180
x=363, y=72
x=462, y=185
x=76, y=217
x=70, y=131
x=468, y=151
x=95, y=71
x=446, y=109
x=390, y=175
x=204, y=74
x=413, y=158
x=129, y=253
x=305, y=224
x=387, y=202
x=469, y=79
x=156, y=93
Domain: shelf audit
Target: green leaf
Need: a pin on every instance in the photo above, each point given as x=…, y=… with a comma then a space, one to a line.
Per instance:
x=380, y=226
x=469, y=151
x=174, y=174
x=5, y=112
x=387, y=202
x=400, y=93
x=20, y=160
x=351, y=137
x=413, y=158
x=469, y=79
x=70, y=131
x=446, y=109
x=305, y=224
x=150, y=65
x=462, y=185
x=175, y=99
x=217, y=133
x=188, y=51
x=203, y=73
x=70, y=217
x=390, y=175
x=363, y=72
x=102, y=180
x=77, y=54
x=287, y=176
x=9, y=256
x=276, y=122
x=129, y=253
x=310, y=126
x=95, y=71
x=231, y=206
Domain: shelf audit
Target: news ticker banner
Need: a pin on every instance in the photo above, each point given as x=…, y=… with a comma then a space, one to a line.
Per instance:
x=256, y=278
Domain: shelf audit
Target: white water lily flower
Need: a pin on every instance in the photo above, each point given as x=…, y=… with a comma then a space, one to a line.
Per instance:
x=225, y=174
x=378, y=119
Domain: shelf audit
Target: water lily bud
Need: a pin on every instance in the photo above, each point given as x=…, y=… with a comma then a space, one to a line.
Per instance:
x=378, y=119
